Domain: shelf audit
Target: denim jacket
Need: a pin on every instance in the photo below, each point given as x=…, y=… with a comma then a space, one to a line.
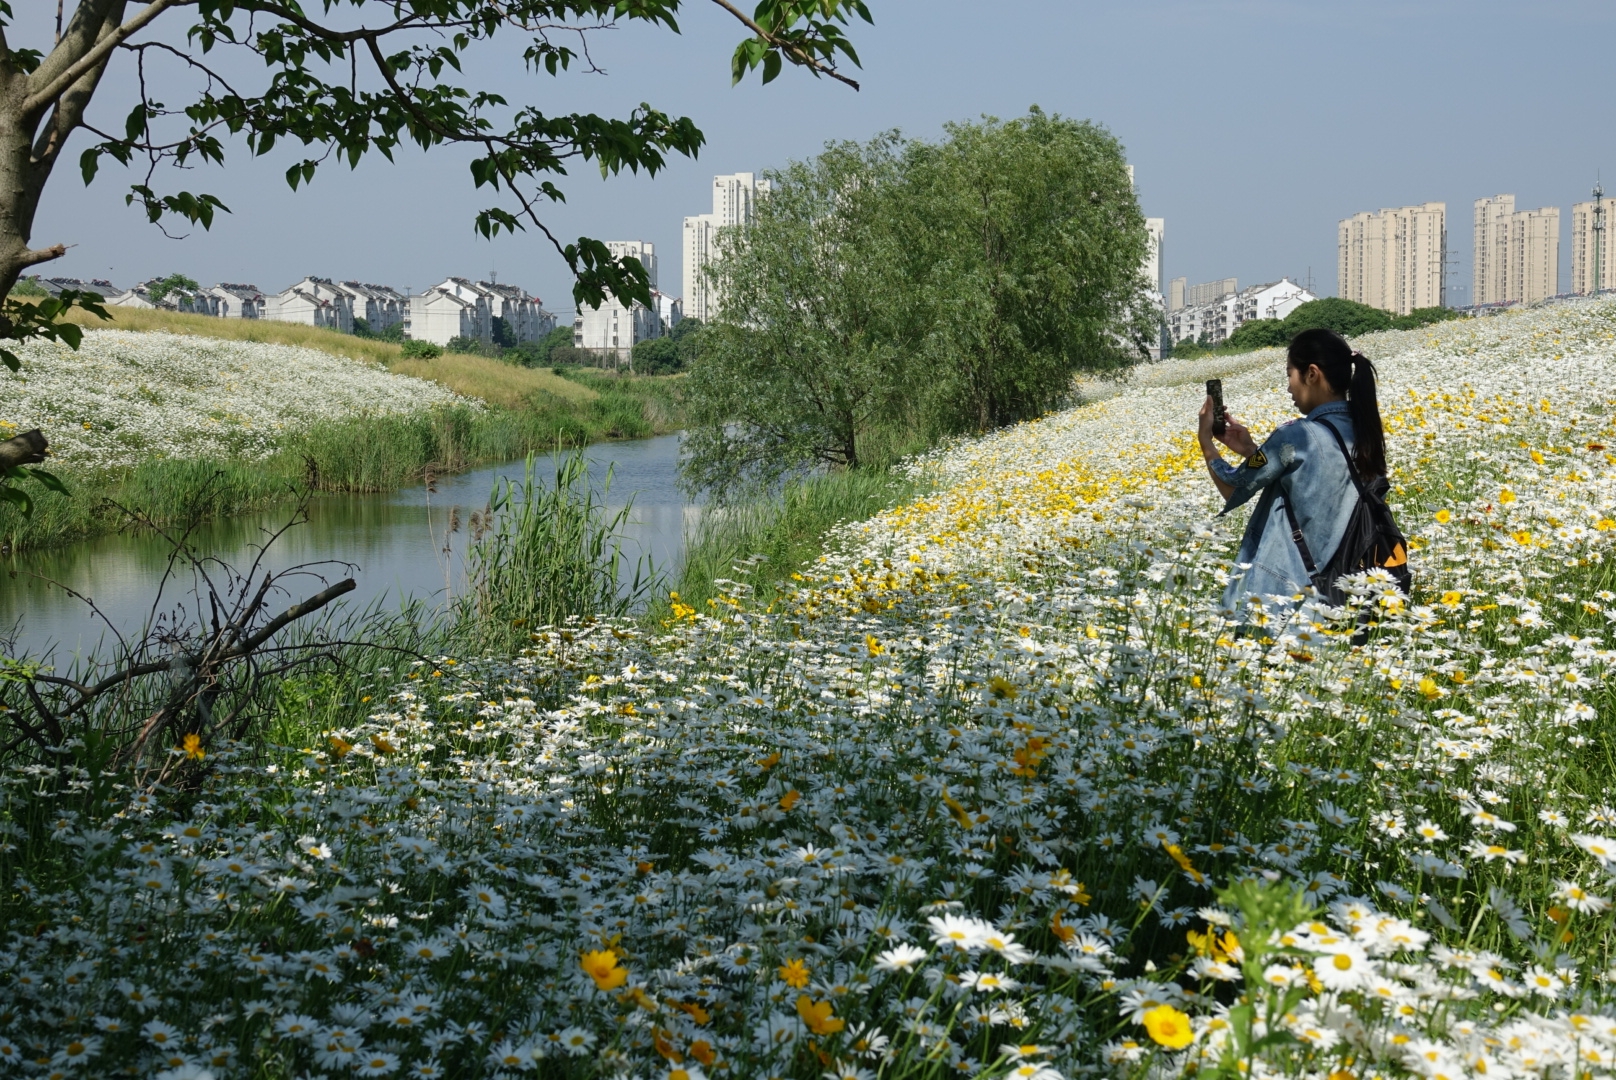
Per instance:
x=1302, y=462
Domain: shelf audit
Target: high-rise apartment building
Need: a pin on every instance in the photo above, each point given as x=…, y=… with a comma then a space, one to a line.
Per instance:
x=1394, y=259
x=1155, y=232
x=639, y=249
x=1517, y=253
x=734, y=202
x=1590, y=247
x=1209, y=292
x=1534, y=254
x=1489, y=272
x=1176, y=293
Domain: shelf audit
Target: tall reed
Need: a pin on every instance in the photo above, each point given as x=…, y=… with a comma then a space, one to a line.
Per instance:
x=546, y=553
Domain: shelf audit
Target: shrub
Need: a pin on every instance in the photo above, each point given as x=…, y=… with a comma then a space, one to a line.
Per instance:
x=28, y=287
x=422, y=350
x=1258, y=334
x=460, y=343
x=1424, y=316
x=1346, y=317
x=657, y=356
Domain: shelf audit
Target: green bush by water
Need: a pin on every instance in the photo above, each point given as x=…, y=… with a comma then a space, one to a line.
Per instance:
x=547, y=553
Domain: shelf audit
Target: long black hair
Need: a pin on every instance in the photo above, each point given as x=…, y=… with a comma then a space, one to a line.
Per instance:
x=1348, y=372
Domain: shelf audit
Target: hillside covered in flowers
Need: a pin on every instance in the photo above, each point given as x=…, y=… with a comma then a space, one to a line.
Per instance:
x=994, y=790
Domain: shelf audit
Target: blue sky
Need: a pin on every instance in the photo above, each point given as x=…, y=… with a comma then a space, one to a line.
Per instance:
x=1253, y=126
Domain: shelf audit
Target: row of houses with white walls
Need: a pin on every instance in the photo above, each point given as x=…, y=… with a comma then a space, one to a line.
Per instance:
x=1217, y=318
x=456, y=307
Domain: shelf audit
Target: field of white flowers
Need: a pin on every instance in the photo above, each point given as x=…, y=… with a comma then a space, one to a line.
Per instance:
x=122, y=398
x=995, y=791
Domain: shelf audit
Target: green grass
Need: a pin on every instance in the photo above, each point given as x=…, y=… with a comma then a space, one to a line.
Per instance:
x=788, y=532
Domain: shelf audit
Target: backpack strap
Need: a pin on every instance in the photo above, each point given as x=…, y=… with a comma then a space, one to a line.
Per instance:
x=1290, y=515
x=1352, y=470
x=1301, y=541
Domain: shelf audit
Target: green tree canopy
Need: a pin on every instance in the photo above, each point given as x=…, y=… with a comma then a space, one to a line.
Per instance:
x=172, y=283
x=1034, y=243
x=901, y=290
x=1258, y=334
x=806, y=362
x=344, y=79
x=1345, y=317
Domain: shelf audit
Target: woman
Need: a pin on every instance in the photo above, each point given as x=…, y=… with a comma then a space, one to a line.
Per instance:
x=1301, y=464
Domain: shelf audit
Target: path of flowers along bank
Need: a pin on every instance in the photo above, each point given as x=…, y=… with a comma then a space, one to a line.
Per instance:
x=965, y=803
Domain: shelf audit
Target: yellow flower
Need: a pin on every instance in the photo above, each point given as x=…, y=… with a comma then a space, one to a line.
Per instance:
x=1169, y=1027
x=817, y=1015
x=382, y=745
x=1003, y=688
x=794, y=973
x=790, y=799
x=1537, y=457
x=1506, y=496
x=1452, y=598
x=1605, y=524
x=1444, y=516
x=601, y=965
x=339, y=746
x=192, y=745
x=1429, y=688
x=875, y=647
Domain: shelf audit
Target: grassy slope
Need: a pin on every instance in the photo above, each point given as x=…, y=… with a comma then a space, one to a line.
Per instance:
x=531, y=411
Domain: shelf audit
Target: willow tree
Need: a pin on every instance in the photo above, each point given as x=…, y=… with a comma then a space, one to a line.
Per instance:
x=342, y=80
x=1036, y=246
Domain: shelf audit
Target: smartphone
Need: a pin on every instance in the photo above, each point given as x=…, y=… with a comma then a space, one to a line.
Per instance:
x=1220, y=415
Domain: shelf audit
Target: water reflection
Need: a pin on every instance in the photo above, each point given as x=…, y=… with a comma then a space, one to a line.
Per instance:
x=400, y=542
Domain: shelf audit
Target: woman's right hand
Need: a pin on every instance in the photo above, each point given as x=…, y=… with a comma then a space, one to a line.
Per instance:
x=1237, y=437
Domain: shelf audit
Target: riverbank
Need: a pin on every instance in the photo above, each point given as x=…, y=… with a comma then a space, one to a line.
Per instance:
x=1001, y=764
x=183, y=427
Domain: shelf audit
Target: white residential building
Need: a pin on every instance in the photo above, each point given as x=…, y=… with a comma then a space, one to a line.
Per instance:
x=314, y=301
x=235, y=301
x=182, y=300
x=670, y=310
x=522, y=315
x=379, y=305
x=643, y=250
x=57, y=285
x=734, y=203
x=456, y=307
x=1221, y=317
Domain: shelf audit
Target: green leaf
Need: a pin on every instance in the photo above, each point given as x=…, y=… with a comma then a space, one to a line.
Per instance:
x=48, y=480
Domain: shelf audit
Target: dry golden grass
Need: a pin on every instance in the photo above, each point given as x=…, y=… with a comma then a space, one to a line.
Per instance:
x=493, y=381
x=473, y=376
x=278, y=333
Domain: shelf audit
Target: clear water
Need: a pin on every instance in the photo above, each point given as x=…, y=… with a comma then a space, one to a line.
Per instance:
x=399, y=544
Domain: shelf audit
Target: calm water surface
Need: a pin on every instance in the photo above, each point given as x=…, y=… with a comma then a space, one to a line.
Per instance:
x=399, y=542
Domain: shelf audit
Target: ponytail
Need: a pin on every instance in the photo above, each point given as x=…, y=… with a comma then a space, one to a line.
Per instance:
x=1348, y=372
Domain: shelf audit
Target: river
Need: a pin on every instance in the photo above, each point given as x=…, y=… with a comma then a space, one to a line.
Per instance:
x=398, y=541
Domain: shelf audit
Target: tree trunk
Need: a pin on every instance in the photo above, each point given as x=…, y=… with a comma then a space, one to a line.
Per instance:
x=32, y=136
x=25, y=449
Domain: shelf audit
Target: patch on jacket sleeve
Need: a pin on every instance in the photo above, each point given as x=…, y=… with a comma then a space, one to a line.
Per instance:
x=1257, y=460
x=1287, y=455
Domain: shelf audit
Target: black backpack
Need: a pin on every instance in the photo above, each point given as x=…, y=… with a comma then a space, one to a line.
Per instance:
x=1372, y=537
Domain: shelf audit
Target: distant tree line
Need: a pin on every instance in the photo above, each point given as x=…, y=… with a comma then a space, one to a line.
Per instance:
x=895, y=292
x=1345, y=317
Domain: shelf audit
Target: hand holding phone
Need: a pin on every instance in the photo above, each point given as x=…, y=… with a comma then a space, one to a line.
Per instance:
x=1220, y=415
